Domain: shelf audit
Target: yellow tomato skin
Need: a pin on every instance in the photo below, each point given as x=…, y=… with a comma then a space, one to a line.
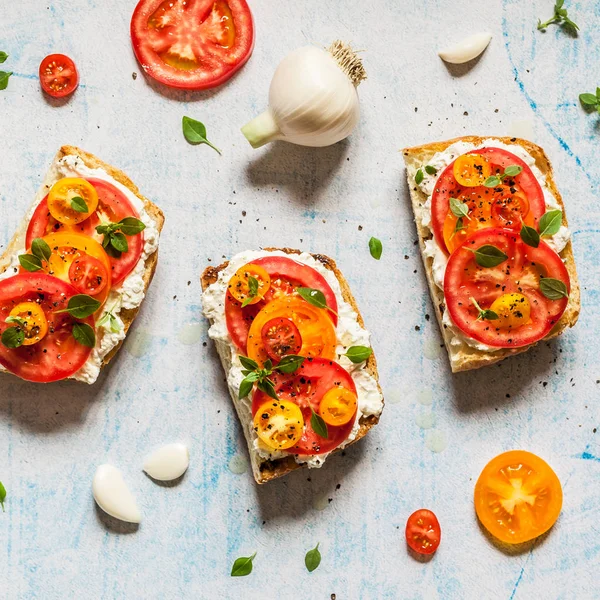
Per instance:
x=513, y=310
x=36, y=324
x=61, y=195
x=338, y=406
x=471, y=170
x=518, y=497
x=239, y=286
x=279, y=424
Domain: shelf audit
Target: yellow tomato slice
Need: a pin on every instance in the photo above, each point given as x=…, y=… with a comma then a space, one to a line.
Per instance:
x=241, y=286
x=471, y=170
x=314, y=325
x=68, y=193
x=517, y=497
x=338, y=406
x=513, y=310
x=35, y=325
x=279, y=424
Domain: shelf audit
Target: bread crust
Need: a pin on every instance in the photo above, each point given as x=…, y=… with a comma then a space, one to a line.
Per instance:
x=91, y=161
x=267, y=470
x=465, y=358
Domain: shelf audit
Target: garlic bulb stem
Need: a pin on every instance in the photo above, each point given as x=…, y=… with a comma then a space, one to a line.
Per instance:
x=261, y=130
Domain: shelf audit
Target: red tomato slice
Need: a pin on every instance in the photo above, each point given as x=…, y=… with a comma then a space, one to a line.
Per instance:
x=113, y=205
x=519, y=274
x=446, y=187
x=423, y=532
x=57, y=355
x=192, y=44
x=306, y=387
x=286, y=275
x=88, y=275
x=280, y=337
x=58, y=75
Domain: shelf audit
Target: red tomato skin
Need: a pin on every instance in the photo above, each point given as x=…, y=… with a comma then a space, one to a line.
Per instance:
x=43, y=362
x=171, y=76
x=74, y=84
x=446, y=186
x=432, y=531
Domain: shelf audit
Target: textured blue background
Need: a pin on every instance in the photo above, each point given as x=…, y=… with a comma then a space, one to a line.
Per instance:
x=55, y=544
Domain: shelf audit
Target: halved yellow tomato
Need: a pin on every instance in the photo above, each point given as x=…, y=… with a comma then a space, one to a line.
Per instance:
x=314, y=324
x=279, y=424
x=517, y=496
x=338, y=406
x=471, y=170
x=513, y=310
x=249, y=284
x=72, y=200
x=35, y=324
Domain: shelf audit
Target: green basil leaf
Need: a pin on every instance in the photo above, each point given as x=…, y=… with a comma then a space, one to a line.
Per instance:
x=513, y=170
x=40, y=249
x=358, y=354
x=419, y=177
x=318, y=425
x=430, y=170
x=266, y=386
x=588, y=99
x=312, y=296
x=492, y=181
x=245, y=387
x=375, y=248
x=598, y=93
x=81, y=306
x=3, y=56
x=268, y=366
x=530, y=236
x=84, y=334
x=554, y=289
x=17, y=320
x=488, y=315
x=252, y=290
x=2, y=495
x=458, y=208
x=550, y=222
x=460, y=224
x=195, y=132
x=109, y=248
x=242, y=566
x=119, y=242
x=4, y=79
x=103, y=229
x=104, y=320
x=290, y=363
x=115, y=325
x=248, y=363
x=78, y=204
x=312, y=559
x=30, y=262
x=488, y=255
x=13, y=337
x=130, y=226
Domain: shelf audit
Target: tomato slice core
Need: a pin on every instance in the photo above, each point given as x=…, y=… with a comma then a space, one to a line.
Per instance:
x=58, y=75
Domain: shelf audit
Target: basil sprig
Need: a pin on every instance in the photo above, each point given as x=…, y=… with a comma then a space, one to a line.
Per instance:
x=84, y=334
x=485, y=314
x=510, y=171
x=78, y=204
x=2, y=495
x=40, y=251
x=549, y=225
x=195, y=132
x=253, y=374
x=553, y=289
x=312, y=559
x=358, y=354
x=314, y=297
x=560, y=17
x=318, y=424
x=375, y=248
x=252, y=290
x=114, y=241
x=488, y=256
x=81, y=306
x=109, y=321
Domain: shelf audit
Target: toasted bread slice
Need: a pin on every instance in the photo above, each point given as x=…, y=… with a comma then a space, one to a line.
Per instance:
x=17, y=244
x=463, y=357
x=266, y=470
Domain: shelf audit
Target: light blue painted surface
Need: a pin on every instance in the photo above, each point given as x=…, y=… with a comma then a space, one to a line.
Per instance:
x=54, y=544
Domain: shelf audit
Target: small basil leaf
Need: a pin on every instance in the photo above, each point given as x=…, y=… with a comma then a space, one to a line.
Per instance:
x=458, y=208
x=131, y=226
x=4, y=75
x=488, y=315
x=550, y=222
x=488, y=256
x=375, y=248
x=290, y=363
x=588, y=99
x=268, y=365
x=513, y=170
x=2, y=495
x=195, y=132
x=119, y=242
x=102, y=229
x=460, y=224
x=115, y=325
x=30, y=262
x=318, y=425
x=419, y=177
x=553, y=289
x=312, y=559
x=81, y=306
x=40, y=249
x=3, y=56
x=530, y=236
x=17, y=320
x=245, y=387
x=492, y=181
x=248, y=363
x=78, y=204
x=110, y=249
x=252, y=290
x=312, y=296
x=266, y=386
x=13, y=337
x=104, y=320
x=242, y=566
x=430, y=170
x=84, y=334
x=358, y=354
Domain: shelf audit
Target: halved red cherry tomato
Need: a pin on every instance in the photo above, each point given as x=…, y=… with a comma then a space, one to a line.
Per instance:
x=306, y=388
x=286, y=275
x=58, y=75
x=88, y=275
x=518, y=496
x=192, y=44
x=113, y=206
x=55, y=356
x=522, y=192
x=520, y=274
x=280, y=337
x=423, y=532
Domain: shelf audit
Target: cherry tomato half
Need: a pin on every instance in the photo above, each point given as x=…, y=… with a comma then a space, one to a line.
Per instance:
x=423, y=532
x=32, y=321
x=72, y=200
x=280, y=336
x=279, y=424
x=58, y=75
x=88, y=274
x=249, y=284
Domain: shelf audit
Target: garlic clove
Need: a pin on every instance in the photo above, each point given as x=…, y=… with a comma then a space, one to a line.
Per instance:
x=467, y=49
x=168, y=463
x=113, y=496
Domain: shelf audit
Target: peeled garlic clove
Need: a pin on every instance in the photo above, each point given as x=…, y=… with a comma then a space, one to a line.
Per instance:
x=168, y=463
x=467, y=49
x=113, y=496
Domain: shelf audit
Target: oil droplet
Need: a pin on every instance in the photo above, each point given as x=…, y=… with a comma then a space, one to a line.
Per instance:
x=436, y=440
x=238, y=464
x=321, y=502
x=139, y=343
x=393, y=396
x=425, y=420
x=425, y=397
x=432, y=349
x=190, y=333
